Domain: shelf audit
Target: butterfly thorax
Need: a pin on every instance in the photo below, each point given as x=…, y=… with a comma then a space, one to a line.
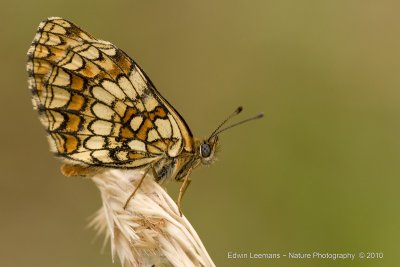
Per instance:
x=177, y=168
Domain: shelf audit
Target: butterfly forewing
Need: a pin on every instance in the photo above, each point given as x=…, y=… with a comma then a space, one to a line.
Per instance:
x=97, y=105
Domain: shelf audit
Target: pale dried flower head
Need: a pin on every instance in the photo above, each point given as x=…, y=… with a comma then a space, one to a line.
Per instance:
x=150, y=230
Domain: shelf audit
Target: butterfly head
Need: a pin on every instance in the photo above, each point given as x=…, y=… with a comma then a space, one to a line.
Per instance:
x=208, y=147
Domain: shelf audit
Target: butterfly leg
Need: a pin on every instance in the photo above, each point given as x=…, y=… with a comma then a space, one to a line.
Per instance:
x=182, y=190
x=137, y=187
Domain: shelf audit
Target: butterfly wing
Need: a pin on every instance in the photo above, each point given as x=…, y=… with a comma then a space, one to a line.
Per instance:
x=97, y=105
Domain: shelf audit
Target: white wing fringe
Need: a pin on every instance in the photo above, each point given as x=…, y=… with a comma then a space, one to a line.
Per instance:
x=150, y=231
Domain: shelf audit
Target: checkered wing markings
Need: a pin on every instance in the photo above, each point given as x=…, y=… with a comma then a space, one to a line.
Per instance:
x=97, y=105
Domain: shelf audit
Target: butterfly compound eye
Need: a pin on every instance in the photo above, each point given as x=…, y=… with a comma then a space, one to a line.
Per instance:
x=205, y=150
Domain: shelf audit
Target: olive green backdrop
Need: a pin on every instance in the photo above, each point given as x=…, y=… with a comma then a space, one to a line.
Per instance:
x=319, y=173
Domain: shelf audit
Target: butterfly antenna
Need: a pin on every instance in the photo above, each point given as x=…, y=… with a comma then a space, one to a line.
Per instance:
x=236, y=112
x=258, y=116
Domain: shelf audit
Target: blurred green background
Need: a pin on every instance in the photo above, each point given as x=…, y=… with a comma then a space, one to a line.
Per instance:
x=319, y=173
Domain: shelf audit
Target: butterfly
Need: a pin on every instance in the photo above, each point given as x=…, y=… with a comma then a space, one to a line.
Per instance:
x=101, y=110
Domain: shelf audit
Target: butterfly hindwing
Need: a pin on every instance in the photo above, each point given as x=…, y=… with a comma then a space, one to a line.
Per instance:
x=97, y=104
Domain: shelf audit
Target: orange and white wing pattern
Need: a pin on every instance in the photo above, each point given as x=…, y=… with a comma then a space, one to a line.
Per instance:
x=97, y=105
